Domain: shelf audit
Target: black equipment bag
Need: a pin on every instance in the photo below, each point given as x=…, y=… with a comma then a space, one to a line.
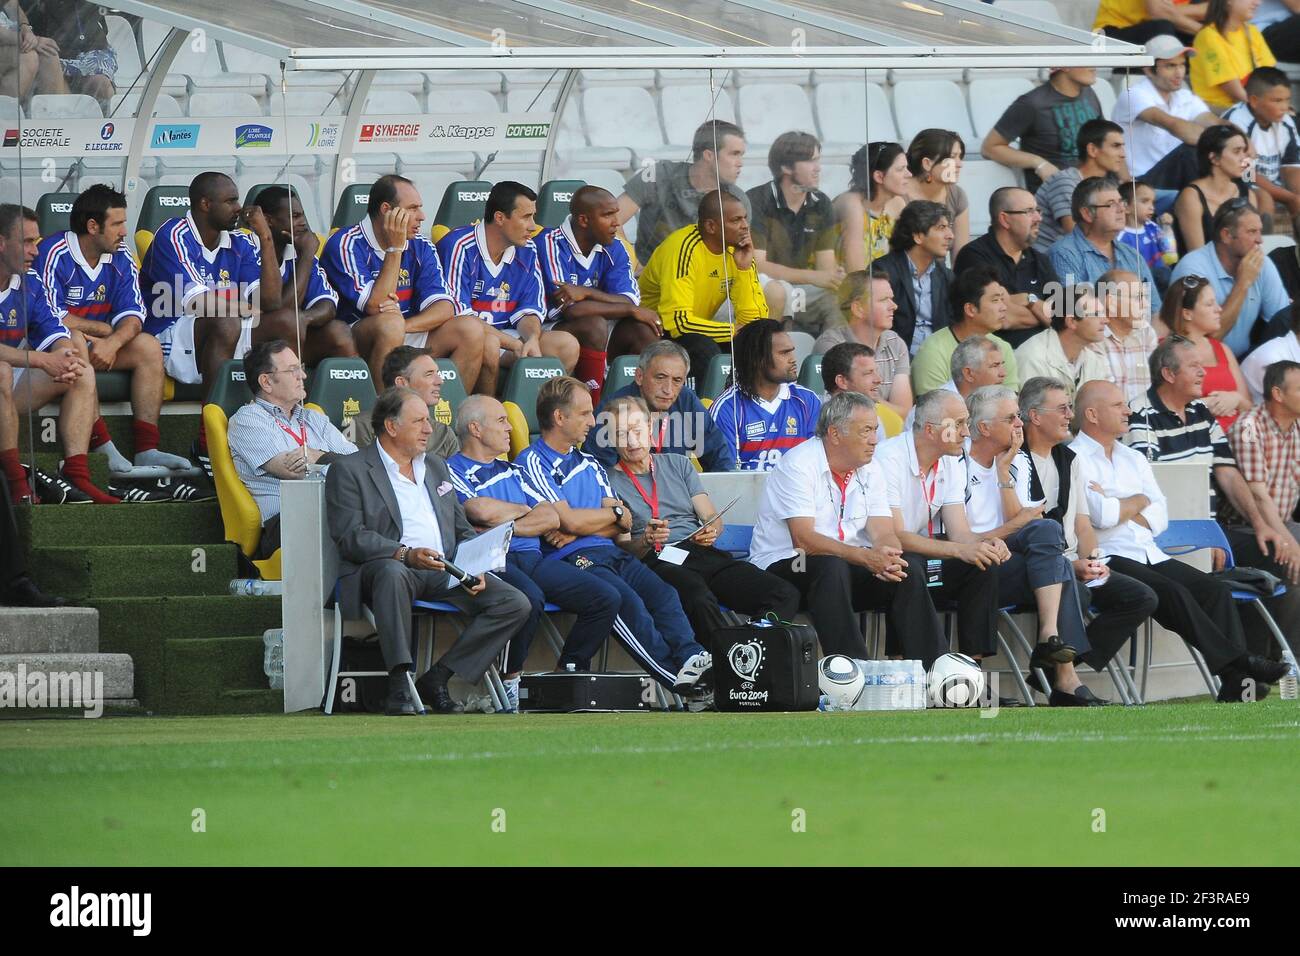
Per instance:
x=765, y=667
x=567, y=692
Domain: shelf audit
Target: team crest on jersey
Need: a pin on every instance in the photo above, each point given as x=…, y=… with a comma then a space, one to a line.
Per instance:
x=403, y=278
x=223, y=278
x=791, y=426
x=754, y=430
x=12, y=319
x=100, y=294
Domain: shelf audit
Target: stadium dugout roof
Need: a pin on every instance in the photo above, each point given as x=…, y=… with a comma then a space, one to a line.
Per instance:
x=612, y=34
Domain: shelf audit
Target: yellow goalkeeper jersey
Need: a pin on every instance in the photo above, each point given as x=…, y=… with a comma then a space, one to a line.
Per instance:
x=686, y=284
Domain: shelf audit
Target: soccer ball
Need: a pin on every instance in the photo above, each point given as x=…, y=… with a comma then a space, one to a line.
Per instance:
x=955, y=681
x=841, y=680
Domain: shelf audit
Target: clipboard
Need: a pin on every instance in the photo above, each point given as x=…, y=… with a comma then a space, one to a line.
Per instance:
x=730, y=504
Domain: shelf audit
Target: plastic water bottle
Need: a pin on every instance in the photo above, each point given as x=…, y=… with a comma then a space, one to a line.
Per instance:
x=1168, y=245
x=273, y=657
x=1287, y=688
x=255, y=587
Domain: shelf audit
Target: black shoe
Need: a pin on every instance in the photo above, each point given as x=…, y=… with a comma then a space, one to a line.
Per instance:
x=433, y=691
x=195, y=489
x=1049, y=671
x=138, y=494
x=1236, y=687
x=55, y=489
x=23, y=592
x=400, y=701
x=1052, y=651
x=1010, y=702
x=204, y=461
x=1264, y=670
x=1081, y=697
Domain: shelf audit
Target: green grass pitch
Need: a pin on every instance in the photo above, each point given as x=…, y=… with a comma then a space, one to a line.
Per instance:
x=1178, y=784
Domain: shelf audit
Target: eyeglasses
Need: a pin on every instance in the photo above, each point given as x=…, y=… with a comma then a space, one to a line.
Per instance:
x=1239, y=203
x=1194, y=282
x=1021, y=212
x=1111, y=205
x=1009, y=419
x=291, y=370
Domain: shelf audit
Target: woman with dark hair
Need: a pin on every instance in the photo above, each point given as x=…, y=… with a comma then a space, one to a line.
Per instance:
x=1192, y=310
x=934, y=158
x=1222, y=158
x=867, y=210
x=1228, y=49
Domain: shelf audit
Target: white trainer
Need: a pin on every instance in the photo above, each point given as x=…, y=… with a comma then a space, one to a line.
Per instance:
x=694, y=669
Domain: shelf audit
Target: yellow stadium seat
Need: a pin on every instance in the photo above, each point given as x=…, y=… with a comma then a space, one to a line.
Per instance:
x=143, y=238
x=890, y=419
x=519, y=439
x=239, y=512
x=436, y=232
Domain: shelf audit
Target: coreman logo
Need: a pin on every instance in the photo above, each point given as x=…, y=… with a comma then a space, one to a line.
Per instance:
x=527, y=130
x=253, y=135
x=175, y=136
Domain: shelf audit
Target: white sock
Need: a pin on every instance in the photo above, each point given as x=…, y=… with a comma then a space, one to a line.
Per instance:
x=116, y=460
x=154, y=458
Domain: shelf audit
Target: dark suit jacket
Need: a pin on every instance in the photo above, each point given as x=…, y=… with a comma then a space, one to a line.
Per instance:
x=365, y=521
x=898, y=268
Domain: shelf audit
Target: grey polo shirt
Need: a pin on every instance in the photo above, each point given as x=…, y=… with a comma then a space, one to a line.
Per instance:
x=675, y=480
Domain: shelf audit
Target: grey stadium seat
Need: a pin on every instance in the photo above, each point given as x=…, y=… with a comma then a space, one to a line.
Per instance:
x=927, y=104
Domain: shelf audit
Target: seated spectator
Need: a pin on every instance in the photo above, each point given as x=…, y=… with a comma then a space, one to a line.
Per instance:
x=1228, y=48
x=651, y=624
x=1046, y=120
x=1255, y=365
x=669, y=504
x=925, y=488
x=666, y=197
x=1163, y=119
x=1037, y=574
x=79, y=32
x=697, y=271
x=201, y=277
x=1223, y=157
x=868, y=306
x=1120, y=602
x=934, y=158
x=391, y=286
x=391, y=556
x=680, y=423
x=793, y=228
x=1266, y=119
x=975, y=363
x=1093, y=248
x=17, y=589
x=851, y=367
x=979, y=307
x=1144, y=234
x=409, y=367
x=1277, y=22
x=1008, y=249
x=1193, y=312
x=1101, y=153
x=275, y=438
x=917, y=271
x=824, y=526
x=93, y=286
x=764, y=414
x=591, y=291
x=1173, y=424
x=1245, y=280
x=1141, y=21
x=34, y=65
x=40, y=361
x=494, y=272
x=1128, y=511
x=312, y=318
x=1071, y=350
x=1129, y=338
x=494, y=491
x=867, y=210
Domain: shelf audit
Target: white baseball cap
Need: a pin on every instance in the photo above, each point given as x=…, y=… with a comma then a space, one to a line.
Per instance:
x=1166, y=47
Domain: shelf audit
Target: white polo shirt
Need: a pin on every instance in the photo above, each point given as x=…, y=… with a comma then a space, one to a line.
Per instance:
x=420, y=528
x=984, y=508
x=920, y=501
x=802, y=486
x=1122, y=475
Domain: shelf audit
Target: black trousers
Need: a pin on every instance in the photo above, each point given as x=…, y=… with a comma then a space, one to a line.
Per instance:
x=1283, y=39
x=1140, y=33
x=1194, y=605
x=1285, y=609
x=835, y=592
x=269, y=543
x=1175, y=169
x=709, y=579
x=13, y=560
x=1122, y=603
x=701, y=349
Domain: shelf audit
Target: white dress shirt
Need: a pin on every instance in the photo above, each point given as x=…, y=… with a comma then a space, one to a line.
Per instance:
x=920, y=501
x=420, y=527
x=801, y=486
x=1122, y=475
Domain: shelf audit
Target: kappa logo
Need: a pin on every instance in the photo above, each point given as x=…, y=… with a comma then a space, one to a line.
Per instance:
x=349, y=375
x=746, y=660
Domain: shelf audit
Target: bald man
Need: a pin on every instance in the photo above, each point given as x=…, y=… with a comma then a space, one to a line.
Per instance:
x=1128, y=511
x=590, y=285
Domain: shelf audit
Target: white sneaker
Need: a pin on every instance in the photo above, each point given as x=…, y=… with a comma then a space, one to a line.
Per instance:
x=693, y=669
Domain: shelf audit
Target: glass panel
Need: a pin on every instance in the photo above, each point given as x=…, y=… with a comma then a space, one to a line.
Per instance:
x=522, y=26
x=295, y=27
x=932, y=22
x=717, y=23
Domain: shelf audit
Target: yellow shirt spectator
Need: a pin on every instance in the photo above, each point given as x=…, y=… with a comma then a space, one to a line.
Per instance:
x=1220, y=59
x=1120, y=14
x=686, y=284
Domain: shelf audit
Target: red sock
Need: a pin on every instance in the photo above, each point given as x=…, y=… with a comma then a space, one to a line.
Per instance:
x=99, y=435
x=591, y=369
x=76, y=468
x=146, y=435
x=203, y=438
x=13, y=471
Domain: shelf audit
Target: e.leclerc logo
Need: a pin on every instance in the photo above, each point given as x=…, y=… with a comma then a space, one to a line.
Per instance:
x=175, y=136
x=107, y=142
x=253, y=135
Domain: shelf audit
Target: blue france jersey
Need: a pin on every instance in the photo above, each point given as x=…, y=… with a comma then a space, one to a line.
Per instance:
x=497, y=479
x=26, y=320
x=609, y=270
x=178, y=268
x=500, y=294
x=353, y=257
x=575, y=478
x=766, y=429
x=108, y=292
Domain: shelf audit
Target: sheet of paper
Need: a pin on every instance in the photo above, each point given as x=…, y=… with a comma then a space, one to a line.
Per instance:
x=485, y=553
x=714, y=520
x=673, y=555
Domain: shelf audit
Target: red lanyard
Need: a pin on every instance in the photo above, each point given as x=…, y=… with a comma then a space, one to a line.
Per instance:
x=929, y=496
x=300, y=439
x=651, y=499
x=844, y=496
x=659, y=438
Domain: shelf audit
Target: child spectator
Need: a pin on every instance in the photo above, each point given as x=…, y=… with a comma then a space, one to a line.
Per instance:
x=1266, y=119
x=1143, y=232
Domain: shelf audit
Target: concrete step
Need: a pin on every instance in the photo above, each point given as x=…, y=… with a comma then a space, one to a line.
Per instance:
x=101, y=572
x=57, y=630
x=118, y=673
x=181, y=522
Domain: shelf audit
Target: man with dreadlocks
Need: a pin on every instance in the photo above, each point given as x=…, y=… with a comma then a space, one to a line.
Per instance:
x=764, y=413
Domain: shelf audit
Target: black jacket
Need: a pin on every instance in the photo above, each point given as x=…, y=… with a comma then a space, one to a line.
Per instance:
x=1063, y=456
x=898, y=269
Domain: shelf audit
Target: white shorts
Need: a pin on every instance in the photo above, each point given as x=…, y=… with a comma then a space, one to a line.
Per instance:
x=180, y=358
x=417, y=340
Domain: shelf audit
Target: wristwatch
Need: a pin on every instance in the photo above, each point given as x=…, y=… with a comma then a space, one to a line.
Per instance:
x=1030, y=298
x=1006, y=484
x=402, y=553
x=619, y=512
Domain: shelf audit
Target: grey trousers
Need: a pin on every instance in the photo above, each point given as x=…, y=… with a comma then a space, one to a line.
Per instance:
x=495, y=615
